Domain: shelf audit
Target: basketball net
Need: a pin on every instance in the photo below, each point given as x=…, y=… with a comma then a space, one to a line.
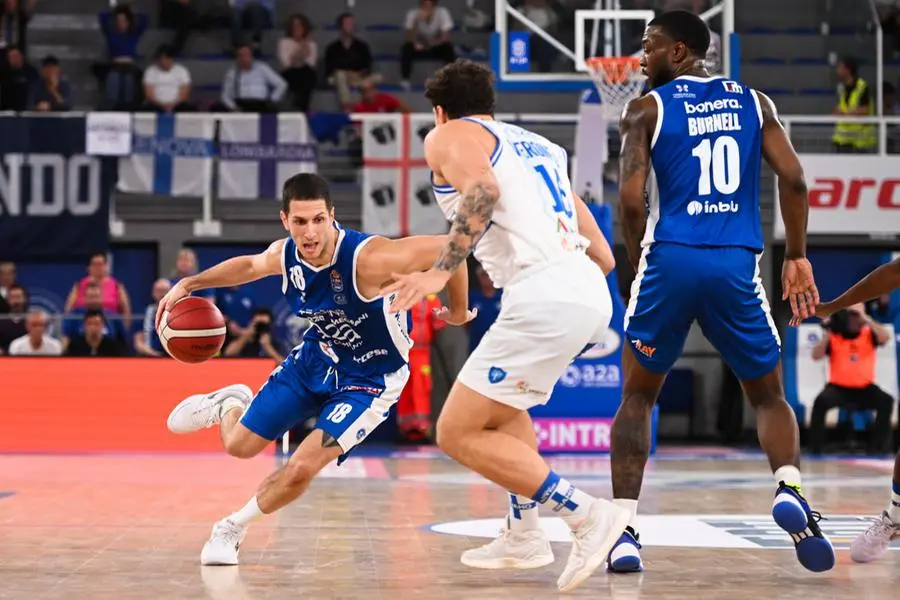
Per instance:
x=618, y=80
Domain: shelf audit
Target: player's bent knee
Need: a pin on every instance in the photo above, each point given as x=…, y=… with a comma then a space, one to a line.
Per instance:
x=301, y=472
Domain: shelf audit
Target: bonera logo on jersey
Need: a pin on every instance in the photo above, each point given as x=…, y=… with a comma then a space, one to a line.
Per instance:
x=701, y=108
x=707, y=208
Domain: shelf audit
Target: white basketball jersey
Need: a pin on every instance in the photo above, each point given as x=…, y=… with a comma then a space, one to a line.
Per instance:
x=534, y=220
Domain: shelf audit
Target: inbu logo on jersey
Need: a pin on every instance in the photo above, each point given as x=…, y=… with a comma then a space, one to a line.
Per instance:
x=711, y=105
x=695, y=208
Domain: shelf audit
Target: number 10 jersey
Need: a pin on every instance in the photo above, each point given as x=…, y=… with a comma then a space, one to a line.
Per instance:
x=534, y=221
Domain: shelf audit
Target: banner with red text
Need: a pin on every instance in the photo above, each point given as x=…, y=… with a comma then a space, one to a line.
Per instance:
x=849, y=194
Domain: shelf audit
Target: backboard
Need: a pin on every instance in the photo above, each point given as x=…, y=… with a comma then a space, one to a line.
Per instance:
x=540, y=45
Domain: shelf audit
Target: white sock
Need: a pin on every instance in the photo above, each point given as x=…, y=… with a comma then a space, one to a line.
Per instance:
x=564, y=498
x=894, y=506
x=790, y=475
x=630, y=506
x=250, y=512
x=523, y=513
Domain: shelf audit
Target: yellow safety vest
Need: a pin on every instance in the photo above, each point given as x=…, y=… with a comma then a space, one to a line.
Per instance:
x=863, y=136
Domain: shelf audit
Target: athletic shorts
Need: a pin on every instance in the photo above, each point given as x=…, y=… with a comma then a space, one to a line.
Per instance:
x=549, y=314
x=305, y=385
x=720, y=288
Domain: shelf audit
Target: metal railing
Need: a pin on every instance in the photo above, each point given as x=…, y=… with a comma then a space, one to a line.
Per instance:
x=886, y=126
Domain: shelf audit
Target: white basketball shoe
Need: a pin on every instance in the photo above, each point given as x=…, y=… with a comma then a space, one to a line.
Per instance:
x=223, y=545
x=205, y=410
x=511, y=550
x=592, y=542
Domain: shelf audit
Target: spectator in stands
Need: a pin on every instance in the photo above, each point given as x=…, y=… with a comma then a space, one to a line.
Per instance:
x=854, y=98
x=119, y=76
x=52, y=93
x=16, y=81
x=373, y=101
x=146, y=339
x=238, y=308
x=348, y=60
x=183, y=17
x=36, y=342
x=882, y=309
x=185, y=266
x=297, y=53
x=14, y=17
x=485, y=299
x=543, y=55
x=73, y=322
x=13, y=325
x=427, y=36
x=251, y=85
x=113, y=297
x=7, y=280
x=253, y=15
x=256, y=341
x=889, y=15
x=94, y=340
x=851, y=344
x=167, y=84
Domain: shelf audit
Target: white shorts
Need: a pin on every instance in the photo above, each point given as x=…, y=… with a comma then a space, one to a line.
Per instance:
x=549, y=314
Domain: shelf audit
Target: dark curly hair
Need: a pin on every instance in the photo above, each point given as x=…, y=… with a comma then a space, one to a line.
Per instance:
x=462, y=88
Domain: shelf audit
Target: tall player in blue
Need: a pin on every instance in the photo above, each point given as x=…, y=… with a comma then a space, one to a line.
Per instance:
x=350, y=367
x=689, y=178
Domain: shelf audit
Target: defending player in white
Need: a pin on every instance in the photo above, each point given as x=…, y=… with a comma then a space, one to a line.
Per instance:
x=507, y=193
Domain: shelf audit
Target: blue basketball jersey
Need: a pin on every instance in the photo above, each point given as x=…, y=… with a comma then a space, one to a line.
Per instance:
x=705, y=155
x=357, y=335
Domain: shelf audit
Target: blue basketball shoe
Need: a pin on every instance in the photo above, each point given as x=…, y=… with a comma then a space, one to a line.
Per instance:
x=625, y=557
x=792, y=513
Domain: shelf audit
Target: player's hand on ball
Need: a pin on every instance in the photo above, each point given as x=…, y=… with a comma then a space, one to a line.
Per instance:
x=177, y=292
x=799, y=287
x=410, y=289
x=455, y=317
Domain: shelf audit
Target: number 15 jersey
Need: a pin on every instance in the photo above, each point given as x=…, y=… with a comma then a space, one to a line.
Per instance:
x=703, y=188
x=534, y=220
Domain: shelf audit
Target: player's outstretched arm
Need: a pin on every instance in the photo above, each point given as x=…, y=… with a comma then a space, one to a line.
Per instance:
x=599, y=250
x=382, y=261
x=797, y=281
x=636, y=128
x=234, y=271
x=882, y=280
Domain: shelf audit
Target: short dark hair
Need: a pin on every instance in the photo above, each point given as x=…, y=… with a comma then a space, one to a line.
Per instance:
x=462, y=88
x=18, y=286
x=851, y=63
x=50, y=61
x=685, y=27
x=339, y=22
x=305, y=186
x=165, y=50
x=95, y=255
x=94, y=312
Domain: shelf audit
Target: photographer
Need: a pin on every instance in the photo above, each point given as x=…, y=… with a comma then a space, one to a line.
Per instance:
x=851, y=344
x=256, y=340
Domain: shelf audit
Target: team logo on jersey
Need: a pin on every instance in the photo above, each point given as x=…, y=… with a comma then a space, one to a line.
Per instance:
x=496, y=375
x=360, y=434
x=697, y=208
x=733, y=87
x=337, y=282
x=340, y=298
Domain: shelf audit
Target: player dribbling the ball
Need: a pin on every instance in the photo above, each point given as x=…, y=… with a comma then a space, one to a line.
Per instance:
x=347, y=372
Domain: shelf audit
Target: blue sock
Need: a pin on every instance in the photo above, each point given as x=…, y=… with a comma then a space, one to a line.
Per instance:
x=562, y=497
x=894, y=506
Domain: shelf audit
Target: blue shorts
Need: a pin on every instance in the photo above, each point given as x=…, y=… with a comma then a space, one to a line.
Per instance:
x=720, y=288
x=306, y=385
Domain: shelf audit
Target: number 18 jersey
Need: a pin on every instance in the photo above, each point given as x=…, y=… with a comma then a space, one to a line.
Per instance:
x=703, y=188
x=534, y=220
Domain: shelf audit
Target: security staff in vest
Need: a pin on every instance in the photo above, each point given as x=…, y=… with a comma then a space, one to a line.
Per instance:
x=854, y=98
x=851, y=342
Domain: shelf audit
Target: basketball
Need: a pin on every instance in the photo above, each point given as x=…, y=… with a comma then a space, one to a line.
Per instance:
x=193, y=331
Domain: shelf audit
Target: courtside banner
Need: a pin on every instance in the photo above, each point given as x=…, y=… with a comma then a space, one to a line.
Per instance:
x=849, y=194
x=111, y=404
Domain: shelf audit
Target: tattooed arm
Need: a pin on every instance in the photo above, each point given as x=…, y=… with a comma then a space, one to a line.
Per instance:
x=459, y=153
x=636, y=128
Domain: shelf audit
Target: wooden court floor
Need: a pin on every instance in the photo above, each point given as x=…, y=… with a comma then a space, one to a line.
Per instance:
x=393, y=525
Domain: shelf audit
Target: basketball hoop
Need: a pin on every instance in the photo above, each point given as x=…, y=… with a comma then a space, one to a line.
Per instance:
x=618, y=80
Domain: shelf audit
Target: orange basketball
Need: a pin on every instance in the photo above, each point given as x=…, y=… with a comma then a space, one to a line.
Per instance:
x=193, y=331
